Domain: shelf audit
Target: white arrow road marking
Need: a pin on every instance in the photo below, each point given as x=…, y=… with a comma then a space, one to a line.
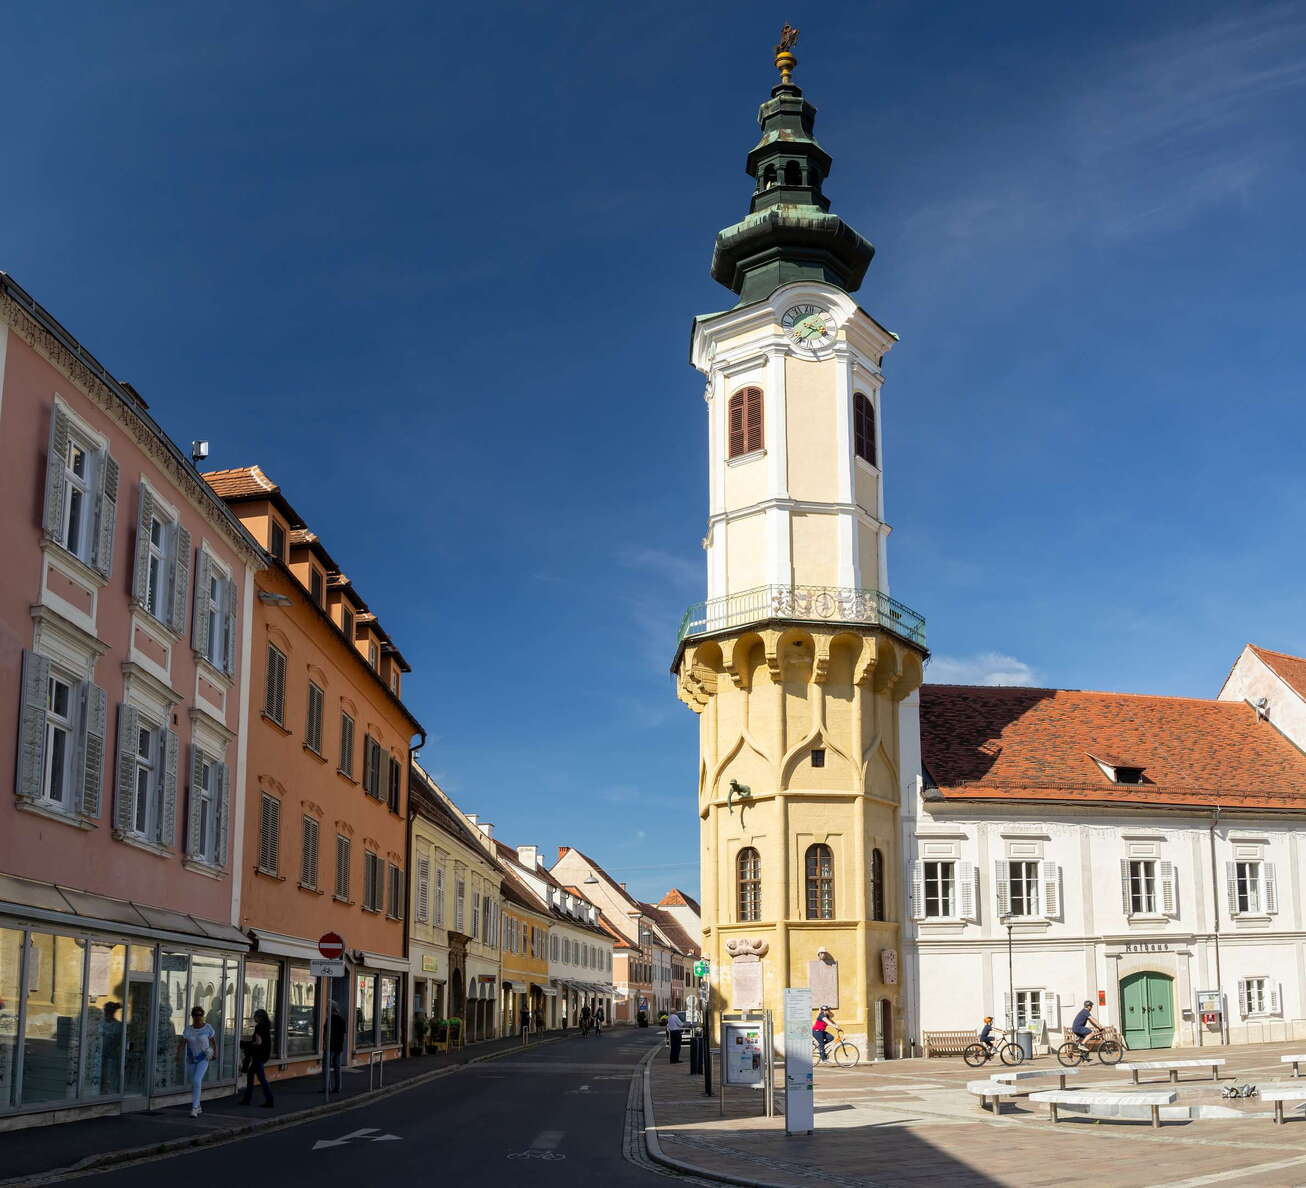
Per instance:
x=582, y=1089
x=542, y=1146
x=367, y=1132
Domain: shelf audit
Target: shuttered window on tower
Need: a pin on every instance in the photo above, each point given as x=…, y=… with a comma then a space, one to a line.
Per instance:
x=864, y=429
x=745, y=422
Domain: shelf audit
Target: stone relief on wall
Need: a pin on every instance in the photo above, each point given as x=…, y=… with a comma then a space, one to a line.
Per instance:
x=823, y=979
x=746, y=972
x=889, y=966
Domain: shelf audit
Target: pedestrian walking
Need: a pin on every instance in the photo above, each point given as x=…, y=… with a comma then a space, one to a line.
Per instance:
x=599, y=1019
x=200, y=1049
x=336, y=1044
x=257, y=1048
x=675, y=1025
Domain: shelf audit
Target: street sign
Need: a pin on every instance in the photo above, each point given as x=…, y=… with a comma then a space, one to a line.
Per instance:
x=322, y=968
x=798, y=1060
x=331, y=945
x=701, y=968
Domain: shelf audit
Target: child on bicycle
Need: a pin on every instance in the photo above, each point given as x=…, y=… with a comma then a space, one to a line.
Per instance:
x=986, y=1033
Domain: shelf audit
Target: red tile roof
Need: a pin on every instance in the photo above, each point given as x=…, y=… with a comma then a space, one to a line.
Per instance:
x=675, y=932
x=1004, y=743
x=241, y=482
x=1291, y=668
x=677, y=898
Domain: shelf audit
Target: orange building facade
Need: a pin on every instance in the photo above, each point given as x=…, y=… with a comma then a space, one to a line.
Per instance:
x=325, y=839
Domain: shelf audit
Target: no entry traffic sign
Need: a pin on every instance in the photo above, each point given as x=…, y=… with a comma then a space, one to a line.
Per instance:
x=331, y=946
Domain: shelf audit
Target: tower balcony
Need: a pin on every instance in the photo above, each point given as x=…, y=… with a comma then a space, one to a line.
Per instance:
x=803, y=604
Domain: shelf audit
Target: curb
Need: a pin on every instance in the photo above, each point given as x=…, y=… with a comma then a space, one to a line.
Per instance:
x=247, y=1129
x=654, y=1147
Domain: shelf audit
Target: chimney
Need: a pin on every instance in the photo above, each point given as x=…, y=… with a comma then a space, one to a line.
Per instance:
x=529, y=857
x=622, y=886
x=471, y=817
x=563, y=851
x=487, y=828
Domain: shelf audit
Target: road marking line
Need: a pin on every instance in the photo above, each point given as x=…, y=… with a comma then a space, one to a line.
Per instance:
x=546, y=1140
x=1236, y=1173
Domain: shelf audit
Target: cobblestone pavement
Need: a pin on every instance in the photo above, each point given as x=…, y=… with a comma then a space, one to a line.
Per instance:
x=912, y=1121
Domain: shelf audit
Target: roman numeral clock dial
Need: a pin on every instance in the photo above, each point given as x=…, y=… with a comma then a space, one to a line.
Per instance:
x=808, y=326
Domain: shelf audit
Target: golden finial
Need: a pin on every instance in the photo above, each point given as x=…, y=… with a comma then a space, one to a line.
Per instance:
x=784, y=59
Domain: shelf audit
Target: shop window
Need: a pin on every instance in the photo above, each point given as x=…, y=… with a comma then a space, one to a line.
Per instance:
x=52, y=1040
x=388, y=1011
x=209, y=991
x=11, y=957
x=105, y=986
x=365, y=1011
x=169, y=1052
x=263, y=993
x=301, y=1011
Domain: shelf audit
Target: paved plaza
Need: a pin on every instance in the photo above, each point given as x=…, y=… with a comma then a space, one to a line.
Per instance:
x=912, y=1121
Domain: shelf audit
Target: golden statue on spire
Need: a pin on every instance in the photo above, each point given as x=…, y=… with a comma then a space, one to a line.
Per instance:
x=784, y=58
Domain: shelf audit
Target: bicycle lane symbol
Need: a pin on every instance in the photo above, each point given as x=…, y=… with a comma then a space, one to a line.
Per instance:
x=542, y=1147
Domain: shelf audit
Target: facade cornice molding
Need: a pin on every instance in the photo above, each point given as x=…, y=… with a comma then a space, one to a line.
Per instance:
x=142, y=429
x=804, y=506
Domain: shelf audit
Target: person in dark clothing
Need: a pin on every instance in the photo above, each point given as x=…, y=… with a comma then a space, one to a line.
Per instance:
x=986, y=1033
x=1084, y=1023
x=336, y=1044
x=258, y=1048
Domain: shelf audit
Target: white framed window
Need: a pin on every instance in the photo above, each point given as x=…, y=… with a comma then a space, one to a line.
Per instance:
x=1252, y=888
x=147, y=778
x=459, y=901
x=1148, y=887
x=1258, y=996
x=439, y=894
x=476, y=913
x=56, y=781
x=214, y=621
x=161, y=580
x=81, y=491
x=423, y=890
x=943, y=889
x=939, y=890
x=486, y=904
x=206, y=824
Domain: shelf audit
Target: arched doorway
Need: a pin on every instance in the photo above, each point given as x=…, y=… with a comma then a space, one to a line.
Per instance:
x=457, y=1000
x=884, y=1040
x=1147, y=1010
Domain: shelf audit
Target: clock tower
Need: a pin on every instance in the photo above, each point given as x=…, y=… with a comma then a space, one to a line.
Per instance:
x=799, y=660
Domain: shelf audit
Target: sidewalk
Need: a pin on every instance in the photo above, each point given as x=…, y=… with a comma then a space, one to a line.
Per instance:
x=912, y=1122
x=43, y=1150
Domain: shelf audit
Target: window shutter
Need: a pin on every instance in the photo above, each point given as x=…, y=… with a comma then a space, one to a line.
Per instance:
x=228, y=589
x=168, y=790
x=200, y=618
x=31, y=743
x=736, y=415
x=966, y=880
x=1271, y=888
x=95, y=717
x=1168, y=896
x=917, y=891
x=1231, y=872
x=1273, y=996
x=753, y=418
x=220, y=813
x=180, y=579
x=368, y=744
x=1243, y=1007
x=141, y=572
x=342, y=866
x=106, y=515
x=55, y=484
x=394, y=784
x=1127, y=900
x=308, y=854
x=313, y=728
x=194, y=804
x=423, y=889
x=269, y=834
x=129, y=724
x=1050, y=888
x=275, y=693
x=1051, y=1010
x=1001, y=871
x=1007, y=1013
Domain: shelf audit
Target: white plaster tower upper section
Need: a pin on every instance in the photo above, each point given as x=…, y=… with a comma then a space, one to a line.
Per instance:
x=796, y=491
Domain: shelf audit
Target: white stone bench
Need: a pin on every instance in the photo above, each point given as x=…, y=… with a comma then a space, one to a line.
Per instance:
x=1172, y=1066
x=1295, y=1061
x=1281, y=1093
x=1153, y=1098
x=994, y=1091
x=1028, y=1074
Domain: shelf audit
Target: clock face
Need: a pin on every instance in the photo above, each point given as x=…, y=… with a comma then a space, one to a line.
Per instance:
x=809, y=325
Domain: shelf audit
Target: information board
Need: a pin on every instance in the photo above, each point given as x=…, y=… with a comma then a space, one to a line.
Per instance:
x=798, y=1060
x=742, y=1059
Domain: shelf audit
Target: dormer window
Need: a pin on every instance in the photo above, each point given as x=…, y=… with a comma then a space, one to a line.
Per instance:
x=373, y=655
x=1129, y=775
x=1120, y=771
x=316, y=585
x=278, y=549
x=347, y=623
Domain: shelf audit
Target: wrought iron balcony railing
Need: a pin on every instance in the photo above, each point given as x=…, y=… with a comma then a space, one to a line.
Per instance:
x=806, y=604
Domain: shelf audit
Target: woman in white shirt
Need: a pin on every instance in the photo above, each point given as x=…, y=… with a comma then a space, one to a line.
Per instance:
x=200, y=1050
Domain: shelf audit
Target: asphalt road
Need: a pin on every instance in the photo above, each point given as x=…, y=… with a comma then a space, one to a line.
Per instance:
x=555, y=1115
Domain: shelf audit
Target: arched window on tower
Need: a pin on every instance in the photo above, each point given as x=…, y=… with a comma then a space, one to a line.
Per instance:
x=748, y=867
x=864, y=429
x=768, y=176
x=745, y=415
x=793, y=174
x=820, y=882
x=877, y=885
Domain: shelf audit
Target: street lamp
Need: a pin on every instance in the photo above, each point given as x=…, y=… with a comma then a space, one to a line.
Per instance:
x=1011, y=980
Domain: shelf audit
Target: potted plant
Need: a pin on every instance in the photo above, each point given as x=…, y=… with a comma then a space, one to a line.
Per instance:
x=439, y=1037
x=455, y=1031
x=420, y=1029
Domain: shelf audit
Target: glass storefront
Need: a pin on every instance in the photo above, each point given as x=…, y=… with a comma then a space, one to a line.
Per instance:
x=301, y=1011
x=365, y=1011
x=263, y=993
x=388, y=1015
x=85, y=1019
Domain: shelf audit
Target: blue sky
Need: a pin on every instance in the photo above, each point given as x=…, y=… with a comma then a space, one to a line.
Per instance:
x=434, y=272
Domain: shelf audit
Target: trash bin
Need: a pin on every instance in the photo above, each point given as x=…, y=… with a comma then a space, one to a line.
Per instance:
x=1025, y=1042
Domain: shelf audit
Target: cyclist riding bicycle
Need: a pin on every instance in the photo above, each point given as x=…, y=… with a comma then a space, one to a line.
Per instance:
x=1084, y=1024
x=986, y=1033
x=586, y=1018
x=821, y=1029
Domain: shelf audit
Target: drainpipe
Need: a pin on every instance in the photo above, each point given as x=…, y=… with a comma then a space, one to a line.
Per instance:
x=1215, y=923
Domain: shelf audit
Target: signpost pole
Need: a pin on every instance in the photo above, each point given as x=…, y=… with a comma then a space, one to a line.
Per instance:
x=332, y=947
x=798, y=1060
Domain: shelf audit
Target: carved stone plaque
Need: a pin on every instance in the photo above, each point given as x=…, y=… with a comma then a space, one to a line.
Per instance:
x=746, y=974
x=823, y=978
x=889, y=966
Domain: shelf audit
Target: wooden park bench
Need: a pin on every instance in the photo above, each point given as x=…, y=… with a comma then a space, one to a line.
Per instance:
x=1172, y=1067
x=1281, y=1093
x=1153, y=1098
x=992, y=1092
x=1029, y=1074
x=948, y=1043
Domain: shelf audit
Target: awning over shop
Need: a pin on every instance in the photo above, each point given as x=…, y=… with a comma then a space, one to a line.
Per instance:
x=380, y=961
x=66, y=907
x=515, y=987
x=279, y=945
x=546, y=990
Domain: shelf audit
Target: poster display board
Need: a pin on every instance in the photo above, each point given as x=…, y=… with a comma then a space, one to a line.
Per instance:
x=743, y=1058
x=798, y=1060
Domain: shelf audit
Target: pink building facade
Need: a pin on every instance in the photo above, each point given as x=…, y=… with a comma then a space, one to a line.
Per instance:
x=124, y=604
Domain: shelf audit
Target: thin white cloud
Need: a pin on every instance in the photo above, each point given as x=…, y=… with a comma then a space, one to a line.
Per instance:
x=668, y=567
x=983, y=668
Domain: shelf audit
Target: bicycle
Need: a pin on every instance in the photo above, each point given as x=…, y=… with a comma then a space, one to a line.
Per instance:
x=1109, y=1050
x=1006, y=1049
x=846, y=1055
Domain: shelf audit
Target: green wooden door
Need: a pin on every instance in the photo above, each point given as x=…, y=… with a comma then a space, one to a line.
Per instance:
x=1147, y=1008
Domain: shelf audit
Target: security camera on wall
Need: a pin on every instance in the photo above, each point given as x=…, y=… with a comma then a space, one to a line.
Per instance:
x=199, y=450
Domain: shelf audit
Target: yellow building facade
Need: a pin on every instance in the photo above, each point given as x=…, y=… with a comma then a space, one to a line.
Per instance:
x=524, y=956
x=799, y=660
